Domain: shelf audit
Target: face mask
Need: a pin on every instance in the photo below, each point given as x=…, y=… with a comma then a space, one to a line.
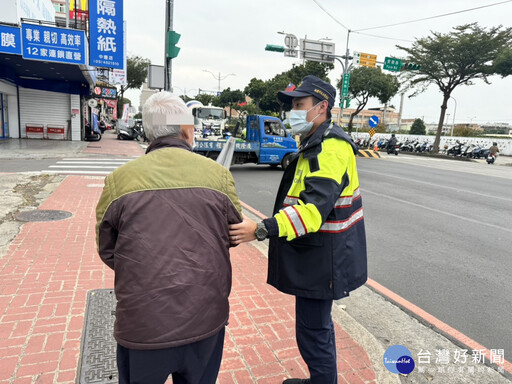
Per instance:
x=298, y=123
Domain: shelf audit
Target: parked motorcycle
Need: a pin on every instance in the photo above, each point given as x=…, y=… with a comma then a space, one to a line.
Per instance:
x=131, y=133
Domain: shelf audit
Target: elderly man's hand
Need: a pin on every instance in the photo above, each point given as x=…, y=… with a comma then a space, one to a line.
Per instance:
x=242, y=232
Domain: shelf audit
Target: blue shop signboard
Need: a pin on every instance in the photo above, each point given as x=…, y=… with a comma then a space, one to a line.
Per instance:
x=10, y=40
x=60, y=45
x=106, y=46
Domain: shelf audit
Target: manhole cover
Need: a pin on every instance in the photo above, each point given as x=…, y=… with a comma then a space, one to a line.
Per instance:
x=43, y=215
x=93, y=146
x=98, y=358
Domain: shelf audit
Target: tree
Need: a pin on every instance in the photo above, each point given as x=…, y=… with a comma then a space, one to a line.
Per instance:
x=456, y=58
x=229, y=97
x=205, y=98
x=503, y=63
x=264, y=93
x=462, y=130
x=418, y=127
x=136, y=73
x=368, y=82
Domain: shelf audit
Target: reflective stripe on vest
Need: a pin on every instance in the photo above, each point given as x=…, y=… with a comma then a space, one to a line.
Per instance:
x=343, y=225
x=342, y=202
x=296, y=221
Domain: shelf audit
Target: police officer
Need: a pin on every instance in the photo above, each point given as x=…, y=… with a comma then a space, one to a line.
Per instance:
x=317, y=248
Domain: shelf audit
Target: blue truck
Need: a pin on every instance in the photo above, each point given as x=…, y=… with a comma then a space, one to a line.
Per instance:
x=264, y=140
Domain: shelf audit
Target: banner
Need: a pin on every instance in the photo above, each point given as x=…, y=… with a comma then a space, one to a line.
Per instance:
x=60, y=45
x=10, y=40
x=106, y=45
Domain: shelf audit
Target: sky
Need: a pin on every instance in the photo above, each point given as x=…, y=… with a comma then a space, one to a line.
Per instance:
x=229, y=37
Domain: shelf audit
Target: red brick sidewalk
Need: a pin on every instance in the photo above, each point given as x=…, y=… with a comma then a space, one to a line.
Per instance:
x=50, y=266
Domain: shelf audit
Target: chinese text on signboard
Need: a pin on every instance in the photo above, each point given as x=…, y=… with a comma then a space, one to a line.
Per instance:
x=10, y=40
x=106, y=34
x=46, y=43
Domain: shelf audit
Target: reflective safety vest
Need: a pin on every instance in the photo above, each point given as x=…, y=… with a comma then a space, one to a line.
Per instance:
x=320, y=251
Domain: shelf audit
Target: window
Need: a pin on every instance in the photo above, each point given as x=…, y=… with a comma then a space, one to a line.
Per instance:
x=274, y=128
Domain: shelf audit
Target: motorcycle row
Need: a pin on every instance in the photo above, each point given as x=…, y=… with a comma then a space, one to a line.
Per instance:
x=469, y=150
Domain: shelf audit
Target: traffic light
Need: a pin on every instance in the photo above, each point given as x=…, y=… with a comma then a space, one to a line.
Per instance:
x=410, y=67
x=172, y=39
x=347, y=103
x=274, y=48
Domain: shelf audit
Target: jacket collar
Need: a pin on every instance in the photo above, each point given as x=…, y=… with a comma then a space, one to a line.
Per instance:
x=168, y=142
x=316, y=138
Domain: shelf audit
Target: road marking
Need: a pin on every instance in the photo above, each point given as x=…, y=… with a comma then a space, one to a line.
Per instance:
x=86, y=166
x=98, y=159
x=436, y=185
x=417, y=311
x=437, y=210
x=82, y=166
x=68, y=172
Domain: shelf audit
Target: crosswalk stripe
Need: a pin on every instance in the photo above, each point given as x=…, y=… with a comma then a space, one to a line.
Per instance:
x=82, y=166
x=80, y=172
x=87, y=166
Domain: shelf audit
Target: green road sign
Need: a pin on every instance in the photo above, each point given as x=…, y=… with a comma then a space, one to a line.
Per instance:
x=392, y=64
x=172, y=39
x=274, y=48
x=346, y=82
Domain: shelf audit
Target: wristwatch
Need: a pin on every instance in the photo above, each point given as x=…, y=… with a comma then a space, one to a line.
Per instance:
x=261, y=232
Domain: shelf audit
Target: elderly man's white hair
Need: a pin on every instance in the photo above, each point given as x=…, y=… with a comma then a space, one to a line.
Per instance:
x=160, y=109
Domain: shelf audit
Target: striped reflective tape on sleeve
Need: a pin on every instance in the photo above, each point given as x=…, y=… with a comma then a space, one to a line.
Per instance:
x=343, y=225
x=296, y=221
x=346, y=201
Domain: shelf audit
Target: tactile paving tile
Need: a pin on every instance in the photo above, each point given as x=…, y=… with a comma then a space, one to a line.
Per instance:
x=98, y=358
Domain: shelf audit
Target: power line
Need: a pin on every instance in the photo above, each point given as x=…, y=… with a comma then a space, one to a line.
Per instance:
x=331, y=16
x=383, y=37
x=432, y=17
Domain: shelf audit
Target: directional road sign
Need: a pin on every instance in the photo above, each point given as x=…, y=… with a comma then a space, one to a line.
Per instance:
x=374, y=121
x=392, y=64
x=345, y=84
x=365, y=59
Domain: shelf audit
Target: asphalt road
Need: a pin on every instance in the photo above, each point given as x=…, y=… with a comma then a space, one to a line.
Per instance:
x=439, y=235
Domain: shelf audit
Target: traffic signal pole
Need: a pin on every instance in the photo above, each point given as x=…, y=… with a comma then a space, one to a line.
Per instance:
x=168, y=61
x=345, y=71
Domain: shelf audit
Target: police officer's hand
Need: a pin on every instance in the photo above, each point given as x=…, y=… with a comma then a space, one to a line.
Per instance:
x=242, y=232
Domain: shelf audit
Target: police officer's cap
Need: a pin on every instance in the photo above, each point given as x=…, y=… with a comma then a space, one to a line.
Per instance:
x=310, y=86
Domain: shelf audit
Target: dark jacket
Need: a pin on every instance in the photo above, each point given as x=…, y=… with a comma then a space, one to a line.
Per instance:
x=317, y=237
x=162, y=226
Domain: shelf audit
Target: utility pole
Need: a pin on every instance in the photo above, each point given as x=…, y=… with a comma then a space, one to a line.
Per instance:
x=168, y=61
x=401, y=110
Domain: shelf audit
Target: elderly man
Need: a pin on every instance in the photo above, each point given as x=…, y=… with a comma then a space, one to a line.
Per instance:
x=317, y=249
x=162, y=226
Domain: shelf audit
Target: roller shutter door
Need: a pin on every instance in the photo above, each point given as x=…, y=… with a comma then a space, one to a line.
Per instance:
x=43, y=107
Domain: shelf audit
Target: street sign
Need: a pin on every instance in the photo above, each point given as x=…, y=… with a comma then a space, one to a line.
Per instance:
x=374, y=121
x=392, y=64
x=291, y=41
x=106, y=45
x=10, y=40
x=317, y=50
x=364, y=59
x=345, y=84
x=291, y=52
x=60, y=45
x=371, y=132
x=274, y=48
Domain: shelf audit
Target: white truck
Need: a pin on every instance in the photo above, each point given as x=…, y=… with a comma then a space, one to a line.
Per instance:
x=208, y=120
